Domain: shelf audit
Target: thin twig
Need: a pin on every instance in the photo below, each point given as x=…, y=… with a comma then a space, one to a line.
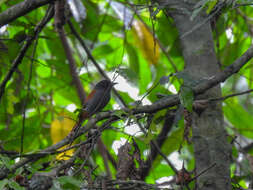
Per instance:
x=29, y=40
x=161, y=46
x=100, y=25
x=59, y=15
x=231, y=95
x=159, y=105
x=100, y=70
x=167, y=126
x=67, y=163
x=149, y=91
x=104, y=153
x=94, y=139
x=14, y=154
x=242, y=4
x=154, y=143
x=27, y=96
x=75, y=77
x=164, y=156
x=218, y=7
x=205, y=170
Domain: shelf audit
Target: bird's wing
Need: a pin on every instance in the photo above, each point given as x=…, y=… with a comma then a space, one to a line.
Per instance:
x=97, y=102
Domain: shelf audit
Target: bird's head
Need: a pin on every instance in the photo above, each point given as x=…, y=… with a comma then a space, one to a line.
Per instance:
x=104, y=84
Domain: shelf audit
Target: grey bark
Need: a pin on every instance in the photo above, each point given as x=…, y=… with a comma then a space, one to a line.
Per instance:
x=161, y=104
x=20, y=9
x=209, y=136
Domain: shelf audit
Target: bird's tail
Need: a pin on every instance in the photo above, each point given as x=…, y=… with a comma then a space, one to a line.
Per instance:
x=81, y=118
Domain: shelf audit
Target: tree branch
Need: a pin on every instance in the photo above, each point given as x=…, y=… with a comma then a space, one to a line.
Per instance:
x=200, y=88
x=159, y=105
x=154, y=151
x=231, y=95
x=227, y=72
x=59, y=15
x=21, y=9
x=28, y=42
x=27, y=96
x=94, y=61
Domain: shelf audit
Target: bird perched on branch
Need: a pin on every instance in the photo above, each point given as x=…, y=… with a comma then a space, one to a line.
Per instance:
x=95, y=101
x=98, y=98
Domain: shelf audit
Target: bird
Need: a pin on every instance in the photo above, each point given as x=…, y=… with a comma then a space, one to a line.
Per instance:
x=95, y=101
x=98, y=98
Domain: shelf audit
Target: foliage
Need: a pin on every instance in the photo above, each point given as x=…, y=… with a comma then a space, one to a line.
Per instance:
x=42, y=87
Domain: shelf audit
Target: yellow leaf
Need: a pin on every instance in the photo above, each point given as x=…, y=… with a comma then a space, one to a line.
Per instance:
x=65, y=155
x=211, y=5
x=146, y=42
x=60, y=128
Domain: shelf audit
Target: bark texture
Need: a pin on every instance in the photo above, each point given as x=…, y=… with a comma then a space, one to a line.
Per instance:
x=20, y=9
x=209, y=135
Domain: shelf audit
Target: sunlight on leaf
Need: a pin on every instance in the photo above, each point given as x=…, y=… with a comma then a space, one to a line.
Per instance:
x=12, y=99
x=60, y=128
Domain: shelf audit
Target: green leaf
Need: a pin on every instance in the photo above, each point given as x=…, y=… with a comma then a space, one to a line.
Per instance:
x=157, y=120
x=13, y=49
x=102, y=51
x=15, y=185
x=69, y=181
x=133, y=58
x=20, y=36
x=210, y=6
x=126, y=97
x=19, y=23
x=120, y=113
x=128, y=74
x=149, y=137
x=186, y=97
x=3, y=183
x=172, y=142
x=144, y=76
x=2, y=2
x=178, y=115
x=6, y=161
x=239, y=117
x=43, y=71
x=12, y=99
x=159, y=171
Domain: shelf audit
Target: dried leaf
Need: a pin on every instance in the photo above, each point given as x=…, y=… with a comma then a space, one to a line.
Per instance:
x=146, y=42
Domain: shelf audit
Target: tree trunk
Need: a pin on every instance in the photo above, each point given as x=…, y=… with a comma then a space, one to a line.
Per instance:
x=209, y=136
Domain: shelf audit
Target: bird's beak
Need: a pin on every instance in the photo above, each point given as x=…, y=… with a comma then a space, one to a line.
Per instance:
x=113, y=83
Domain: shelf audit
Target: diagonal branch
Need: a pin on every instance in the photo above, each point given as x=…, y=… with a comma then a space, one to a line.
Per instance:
x=28, y=42
x=200, y=88
x=155, y=150
x=27, y=95
x=21, y=9
x=159, y=105
x=59, y=21
x=231, y=95
x=227, y=72
x=100, y=70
